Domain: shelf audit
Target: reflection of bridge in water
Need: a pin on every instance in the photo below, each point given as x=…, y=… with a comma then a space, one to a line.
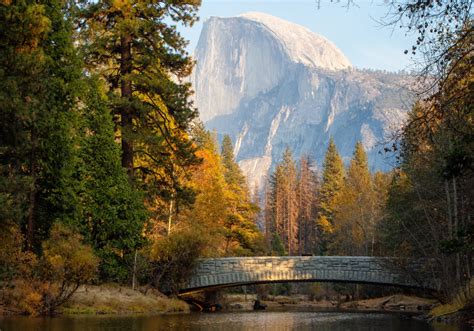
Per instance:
x=236, y=271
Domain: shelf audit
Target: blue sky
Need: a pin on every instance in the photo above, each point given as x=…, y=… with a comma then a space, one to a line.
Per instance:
x=354, y=30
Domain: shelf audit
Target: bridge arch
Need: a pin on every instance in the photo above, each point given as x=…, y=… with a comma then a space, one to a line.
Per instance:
x=236, y=271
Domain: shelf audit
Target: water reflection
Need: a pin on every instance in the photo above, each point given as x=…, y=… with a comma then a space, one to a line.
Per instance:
x=229, y=321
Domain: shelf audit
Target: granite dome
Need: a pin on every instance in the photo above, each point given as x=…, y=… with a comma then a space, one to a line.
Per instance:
x=301, y=44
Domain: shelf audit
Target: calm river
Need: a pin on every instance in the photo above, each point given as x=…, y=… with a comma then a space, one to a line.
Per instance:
x=262, y=320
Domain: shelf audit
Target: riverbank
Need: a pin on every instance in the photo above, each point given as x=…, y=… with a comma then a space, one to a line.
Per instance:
x=425, y=309
x=396, y=302
x=389, y=303
x=459, y=310
x=115, y=299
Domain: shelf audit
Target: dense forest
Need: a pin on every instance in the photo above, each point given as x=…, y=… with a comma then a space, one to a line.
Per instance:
x=107, y=175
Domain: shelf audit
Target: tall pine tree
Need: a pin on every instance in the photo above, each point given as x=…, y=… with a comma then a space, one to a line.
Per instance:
x=112, y=214
x=284, y=204
x=332, y=182
x=40, y=79
x=143, y=60
x=354, y=211
x=308, y=235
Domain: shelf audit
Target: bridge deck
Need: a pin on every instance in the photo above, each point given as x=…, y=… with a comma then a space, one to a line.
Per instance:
x=234, y=271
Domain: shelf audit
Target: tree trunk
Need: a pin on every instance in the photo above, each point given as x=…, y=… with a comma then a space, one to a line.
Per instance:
x=30, y=231
x=31, y=211
x=290, y=225
x=170, y=214
x=456, y=229
x=126, y=111
x=134, y=276
x=450, y=218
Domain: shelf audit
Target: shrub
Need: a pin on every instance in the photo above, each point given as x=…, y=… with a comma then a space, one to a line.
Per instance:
x=173, y=258
x=66, y=263
x=14, y=261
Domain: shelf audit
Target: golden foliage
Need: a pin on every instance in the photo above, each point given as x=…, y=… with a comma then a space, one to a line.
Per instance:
x=14, y=261
x=324, y=224
x=44, y=284
x=66, y=259
x=358, y=208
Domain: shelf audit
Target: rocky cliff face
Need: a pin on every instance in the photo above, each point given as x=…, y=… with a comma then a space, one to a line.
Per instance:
x=270, y=84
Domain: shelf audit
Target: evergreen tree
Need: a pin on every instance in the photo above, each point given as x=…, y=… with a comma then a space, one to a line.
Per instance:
x=355, y=209
x=291, y=202
x=284, y=203
x=143, y=60
x=308, y=234
x=277, y=246
x=276, y=200
x=112, y=213
x=232, y=172
x=359, y=167
x=332, y=182
x=139, y=59
x=40, y=79
x=268, y=218
x=23, y=27
x=430, y=200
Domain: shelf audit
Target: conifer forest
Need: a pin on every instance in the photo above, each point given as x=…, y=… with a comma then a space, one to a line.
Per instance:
x=107, y=175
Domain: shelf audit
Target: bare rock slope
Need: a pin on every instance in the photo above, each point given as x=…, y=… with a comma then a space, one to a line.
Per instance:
x=272, y=84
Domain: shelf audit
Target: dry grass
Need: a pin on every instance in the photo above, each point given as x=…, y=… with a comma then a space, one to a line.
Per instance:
x=114, y=299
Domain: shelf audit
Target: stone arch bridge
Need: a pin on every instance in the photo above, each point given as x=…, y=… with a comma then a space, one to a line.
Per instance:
x=237, y=271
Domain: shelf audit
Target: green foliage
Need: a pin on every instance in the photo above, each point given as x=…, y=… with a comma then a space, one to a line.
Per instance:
x=58, y=158
x=112, y=214
x=23, y=27
x=333, y=177
x=232, y=173
x=277, y=246
x=39, y=83
x=143, y=62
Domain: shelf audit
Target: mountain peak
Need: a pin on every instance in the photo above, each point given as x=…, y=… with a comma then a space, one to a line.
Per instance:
x=271, y=84
x=301, y=44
